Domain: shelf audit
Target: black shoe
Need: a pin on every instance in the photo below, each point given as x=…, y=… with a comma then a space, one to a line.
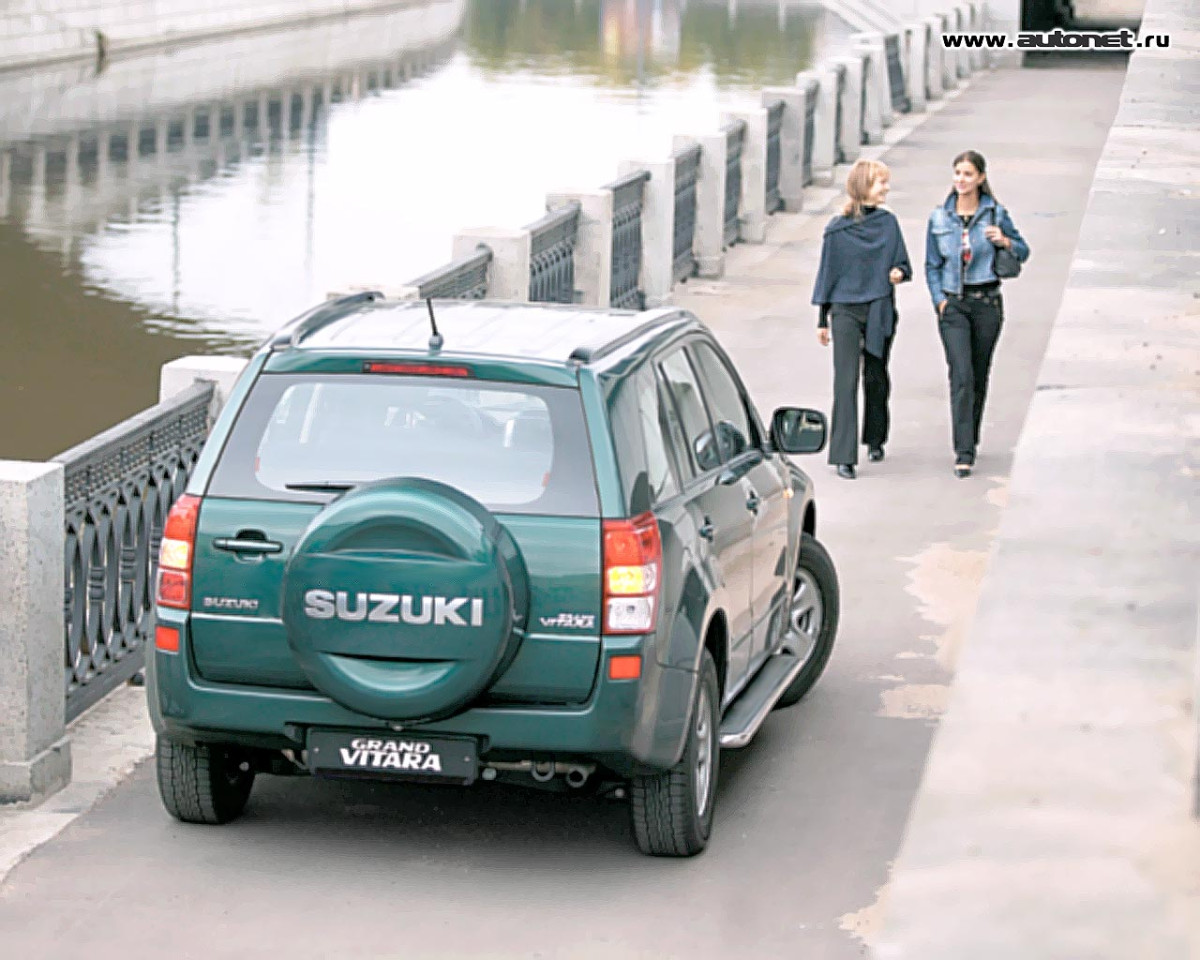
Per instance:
x=963, y=465
x=845, y=471
x=874, y=454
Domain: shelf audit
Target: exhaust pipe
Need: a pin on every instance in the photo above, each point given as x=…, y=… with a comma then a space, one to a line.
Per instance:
x=542, y=771
x=577, y=777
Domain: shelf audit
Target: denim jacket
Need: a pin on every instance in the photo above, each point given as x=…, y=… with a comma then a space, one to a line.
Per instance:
x=943, y=247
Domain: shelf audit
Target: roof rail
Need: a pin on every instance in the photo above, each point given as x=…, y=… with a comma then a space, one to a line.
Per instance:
x=653, y=319
x=320, y=316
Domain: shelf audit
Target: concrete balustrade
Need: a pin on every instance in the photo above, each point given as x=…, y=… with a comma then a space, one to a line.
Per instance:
x=825, y=132
x=35, y=753
x=179, y=375
x=791, y=141
x=934, y=69
x=850, y=137
x=916, y=74
x=658, y=228
x=709, y=243
x=593, y=245
x=878, y=113
x=752, y=207
x=512, y=251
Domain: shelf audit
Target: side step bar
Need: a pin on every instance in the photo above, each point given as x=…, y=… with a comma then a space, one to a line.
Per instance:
x=752, y=706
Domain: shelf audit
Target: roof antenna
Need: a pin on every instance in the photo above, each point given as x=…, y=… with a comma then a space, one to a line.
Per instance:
x=436, y=341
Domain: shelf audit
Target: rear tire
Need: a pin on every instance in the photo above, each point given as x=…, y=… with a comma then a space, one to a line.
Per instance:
x=817, y=572
x=204, y=783
x=672, y=812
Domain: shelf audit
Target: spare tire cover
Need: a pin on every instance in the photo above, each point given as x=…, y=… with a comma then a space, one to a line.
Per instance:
x=404, y=599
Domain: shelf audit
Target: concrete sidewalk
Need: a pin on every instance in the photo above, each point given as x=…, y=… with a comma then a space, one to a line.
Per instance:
x=810, y=817
x=1057, y=816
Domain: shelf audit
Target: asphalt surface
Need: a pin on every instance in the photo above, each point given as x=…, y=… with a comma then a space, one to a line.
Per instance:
x=809, y=817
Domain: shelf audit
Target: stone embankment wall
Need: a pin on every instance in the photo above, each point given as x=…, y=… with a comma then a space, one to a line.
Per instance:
x=36, y=31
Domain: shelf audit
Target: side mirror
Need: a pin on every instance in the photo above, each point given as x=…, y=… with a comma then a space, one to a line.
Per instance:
x=798, y=430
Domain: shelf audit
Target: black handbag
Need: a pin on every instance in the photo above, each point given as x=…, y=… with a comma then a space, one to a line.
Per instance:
x=1006, y=263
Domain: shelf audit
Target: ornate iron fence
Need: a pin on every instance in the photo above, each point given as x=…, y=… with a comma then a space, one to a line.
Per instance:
x=810, y=133
x=868, y=78
x=735, y=140
x=895, y=72
x=119, y=487
x=774, y=199
x=552, y=255
x=463, y=279
x=624, y=289
x=839, y=154
x=687, y=175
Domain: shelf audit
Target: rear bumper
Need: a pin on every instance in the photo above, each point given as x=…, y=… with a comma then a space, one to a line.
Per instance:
x=625, y=724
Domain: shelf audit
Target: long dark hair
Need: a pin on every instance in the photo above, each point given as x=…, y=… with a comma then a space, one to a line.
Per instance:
x=975, y=159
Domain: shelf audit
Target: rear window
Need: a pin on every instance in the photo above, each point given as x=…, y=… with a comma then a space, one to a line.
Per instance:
x=517, y=448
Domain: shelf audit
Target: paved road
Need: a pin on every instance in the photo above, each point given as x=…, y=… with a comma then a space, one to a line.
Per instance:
x=809, y=817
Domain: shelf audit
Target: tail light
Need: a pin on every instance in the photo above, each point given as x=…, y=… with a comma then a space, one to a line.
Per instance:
x=632, y=568
x=176, y=554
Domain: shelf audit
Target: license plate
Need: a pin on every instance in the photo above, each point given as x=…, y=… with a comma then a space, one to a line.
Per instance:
x=393, y=756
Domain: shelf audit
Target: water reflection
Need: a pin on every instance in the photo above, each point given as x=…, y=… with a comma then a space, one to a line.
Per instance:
x=161, y=202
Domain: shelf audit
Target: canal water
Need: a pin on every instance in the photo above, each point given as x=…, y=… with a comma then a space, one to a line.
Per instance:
x=193, y=199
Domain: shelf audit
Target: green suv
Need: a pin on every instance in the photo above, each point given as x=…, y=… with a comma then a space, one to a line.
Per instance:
x=452, y=541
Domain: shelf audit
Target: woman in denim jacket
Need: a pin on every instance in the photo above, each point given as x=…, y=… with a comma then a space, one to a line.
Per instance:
x=960, y=257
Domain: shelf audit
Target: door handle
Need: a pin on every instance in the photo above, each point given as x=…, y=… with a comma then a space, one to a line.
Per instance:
x=707, y=530
x=753, y=501
x=239, y=545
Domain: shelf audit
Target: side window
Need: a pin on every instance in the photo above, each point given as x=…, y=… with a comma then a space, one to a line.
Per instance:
x=658, y=462
x=693, y=417
x=735, y=432
x=640, y=427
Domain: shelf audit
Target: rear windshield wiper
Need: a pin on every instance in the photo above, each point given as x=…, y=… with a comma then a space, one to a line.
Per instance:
x=322, y=486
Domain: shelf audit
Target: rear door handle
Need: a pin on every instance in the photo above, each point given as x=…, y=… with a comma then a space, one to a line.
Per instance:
x=236, y=545
x=707, y=530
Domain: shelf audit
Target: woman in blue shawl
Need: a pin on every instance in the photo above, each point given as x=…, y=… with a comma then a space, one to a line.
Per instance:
x=863, y=257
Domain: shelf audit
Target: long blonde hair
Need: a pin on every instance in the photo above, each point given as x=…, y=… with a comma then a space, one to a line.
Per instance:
x=859, y=180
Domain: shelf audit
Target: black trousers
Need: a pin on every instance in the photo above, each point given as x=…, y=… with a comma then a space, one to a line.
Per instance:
x=969, y=327
x=848, y=327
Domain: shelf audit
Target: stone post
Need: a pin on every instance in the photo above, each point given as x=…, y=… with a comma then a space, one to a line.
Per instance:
x=178, y=375
x=878, y=113
x=752, y=207
x=709, y=243
x=593, y=244
x=825, y=133
x=949, y=57
x=934, y=69
x=851, y=136
x=962, y=15
x=35, y=754
x=658, y=228
x=791, y=141
x=918, y=71
x=975, y=25
x=512, y=250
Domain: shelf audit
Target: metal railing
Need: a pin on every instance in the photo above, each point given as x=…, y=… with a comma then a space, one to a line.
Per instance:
x=624, y=289
x=464, y=279
x=839, y=154
x=119, y=487
x=687, y=175
x=552, y=255
x=774, y=199
x=810, y=134
x=735, y=141
x=895, y=73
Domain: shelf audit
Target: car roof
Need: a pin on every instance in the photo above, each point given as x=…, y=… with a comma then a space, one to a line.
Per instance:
x=543, y=332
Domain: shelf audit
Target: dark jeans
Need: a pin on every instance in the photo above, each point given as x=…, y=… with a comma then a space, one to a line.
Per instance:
x=848, y=326
x=969, y=327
